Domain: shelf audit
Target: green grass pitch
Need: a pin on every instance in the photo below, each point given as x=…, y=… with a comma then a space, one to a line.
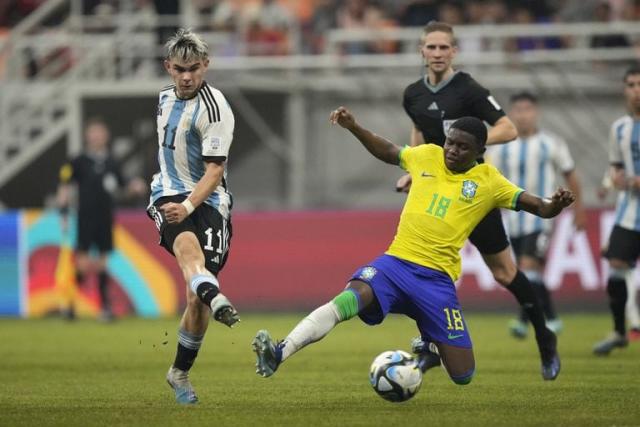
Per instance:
x=87, y=373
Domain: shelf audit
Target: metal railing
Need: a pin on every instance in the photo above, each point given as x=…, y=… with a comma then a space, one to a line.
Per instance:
x=72, y=58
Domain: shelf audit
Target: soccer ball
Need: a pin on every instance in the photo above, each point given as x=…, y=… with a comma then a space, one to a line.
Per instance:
x=395, y=376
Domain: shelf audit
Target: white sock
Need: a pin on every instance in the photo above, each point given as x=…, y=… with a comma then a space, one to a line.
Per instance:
x=312, y=328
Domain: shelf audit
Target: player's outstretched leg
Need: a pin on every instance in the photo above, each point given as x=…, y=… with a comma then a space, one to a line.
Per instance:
x=427, y=354
x=312, y=328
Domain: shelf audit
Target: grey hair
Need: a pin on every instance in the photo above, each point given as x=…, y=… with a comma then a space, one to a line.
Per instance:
x=185, y=45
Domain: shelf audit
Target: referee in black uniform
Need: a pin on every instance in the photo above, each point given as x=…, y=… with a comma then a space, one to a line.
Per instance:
x=433, y=103
x=98, y=177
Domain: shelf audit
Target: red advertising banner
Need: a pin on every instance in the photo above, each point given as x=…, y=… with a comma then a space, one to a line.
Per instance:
x=292, y=261
x=281, y=261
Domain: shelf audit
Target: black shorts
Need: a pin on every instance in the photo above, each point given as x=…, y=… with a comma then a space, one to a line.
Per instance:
x=624, y=244
x=212, y=230
x=489, y=236
x=94, y=230
x=533, y=245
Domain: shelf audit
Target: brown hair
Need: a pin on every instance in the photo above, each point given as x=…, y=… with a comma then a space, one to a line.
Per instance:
x=631, y=71
x=442, y=27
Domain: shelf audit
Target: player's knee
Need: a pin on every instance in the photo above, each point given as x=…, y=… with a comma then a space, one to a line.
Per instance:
x=347, y=304
x=618, y=271
x=465, y=378
x=503, y=271
x=503, y=275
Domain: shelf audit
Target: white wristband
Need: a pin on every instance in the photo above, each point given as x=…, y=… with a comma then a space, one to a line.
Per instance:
x=188, y=206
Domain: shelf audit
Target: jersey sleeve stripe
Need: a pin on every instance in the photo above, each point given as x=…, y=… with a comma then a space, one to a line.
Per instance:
x=217, y=107
x=208, y=108
x=401, y=164
x=514, y=200
x=211, y=104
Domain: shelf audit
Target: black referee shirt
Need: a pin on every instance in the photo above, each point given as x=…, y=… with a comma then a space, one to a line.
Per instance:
x=434, y=108
x=98, y=179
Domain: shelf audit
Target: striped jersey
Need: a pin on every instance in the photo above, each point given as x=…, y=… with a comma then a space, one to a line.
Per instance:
x=532, y=163
x=624, y=150
x=190, y=132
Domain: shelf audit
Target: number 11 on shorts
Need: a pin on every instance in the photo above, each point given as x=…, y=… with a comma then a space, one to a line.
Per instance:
x=454, y=319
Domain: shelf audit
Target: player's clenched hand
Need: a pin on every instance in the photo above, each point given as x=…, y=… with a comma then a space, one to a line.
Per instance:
x=174, y=213
x=404, y=184
x=562, y=198
x=343, y=117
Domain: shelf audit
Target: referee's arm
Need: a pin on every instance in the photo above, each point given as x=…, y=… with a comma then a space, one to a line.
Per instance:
x=503, y=130
x=416, y=137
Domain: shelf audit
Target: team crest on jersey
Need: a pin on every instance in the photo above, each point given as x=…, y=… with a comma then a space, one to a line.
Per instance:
x=469, y=189
x=367, y=273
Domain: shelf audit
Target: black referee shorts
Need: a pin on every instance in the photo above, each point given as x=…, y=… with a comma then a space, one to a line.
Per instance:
x=533, y=245
x=624, y=245
x=96, y=230
x=209, y=226
x=489, y=236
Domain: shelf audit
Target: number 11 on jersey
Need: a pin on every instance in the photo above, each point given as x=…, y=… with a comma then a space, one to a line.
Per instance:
x=172, y=143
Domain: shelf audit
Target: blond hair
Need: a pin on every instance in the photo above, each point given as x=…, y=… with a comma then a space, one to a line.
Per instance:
x=186, y=46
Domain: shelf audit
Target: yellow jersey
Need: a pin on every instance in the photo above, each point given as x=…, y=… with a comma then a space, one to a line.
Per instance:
x=443, y=207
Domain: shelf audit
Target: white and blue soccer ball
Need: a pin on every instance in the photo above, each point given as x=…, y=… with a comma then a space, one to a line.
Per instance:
x=395, y=376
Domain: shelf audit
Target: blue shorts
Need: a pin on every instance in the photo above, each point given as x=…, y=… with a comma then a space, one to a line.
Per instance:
x=427, y=296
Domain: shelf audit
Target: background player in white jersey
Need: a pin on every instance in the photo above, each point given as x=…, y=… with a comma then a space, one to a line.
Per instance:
x=624, y=242
x=632, y=310
x=534, y=161
x=190, y=202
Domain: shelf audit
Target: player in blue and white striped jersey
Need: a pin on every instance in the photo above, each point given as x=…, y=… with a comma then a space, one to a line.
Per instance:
x=624, y=241
x=190, y=202
x=534, y=161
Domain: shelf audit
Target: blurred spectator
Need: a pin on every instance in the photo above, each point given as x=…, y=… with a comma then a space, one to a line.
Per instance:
x=363, y=14
x=632, y=11
x=577, y=10
x=495, y=12
x=7, y=10
x=352, y=15
x=13, y=11
x=269, y=26
x=540, y=10
x=602, y=13
x=524, y=16
x=476, y=13
x=226, y=16
x=4, y=35
x=418, y=13
x=451, y=13
x=323, y=19
x=166, y=9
